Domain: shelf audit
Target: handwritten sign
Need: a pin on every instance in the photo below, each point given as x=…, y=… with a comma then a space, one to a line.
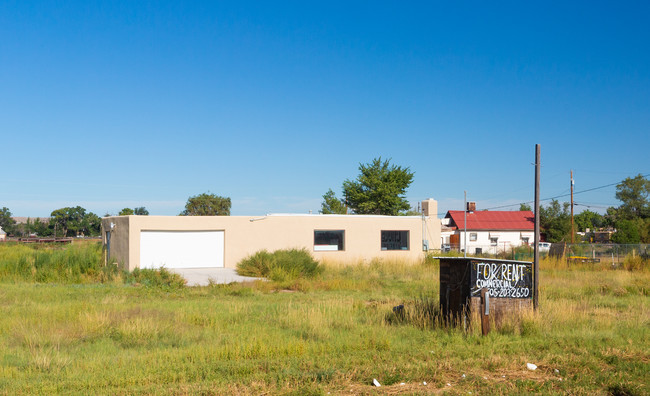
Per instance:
x=503, y=280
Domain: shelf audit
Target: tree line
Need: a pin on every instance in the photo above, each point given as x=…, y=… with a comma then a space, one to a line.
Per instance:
x=63, y=222
x=380, y=188
x=631, y=219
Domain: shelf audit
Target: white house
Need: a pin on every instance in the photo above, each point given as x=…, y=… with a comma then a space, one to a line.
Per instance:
x=489, y=231
x=3, y=235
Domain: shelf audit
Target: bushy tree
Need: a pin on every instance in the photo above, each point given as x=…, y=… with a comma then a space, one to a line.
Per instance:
x=627, y=231
x=634, y=193
x=331, y=204
x=141, y=211
x=379, y=189
x=207, y=205
x=71, y=221
x=555, y=221
x=525, y=207
x=41, y=227
x=588, y=219
x=92, y=225
x=6, y=221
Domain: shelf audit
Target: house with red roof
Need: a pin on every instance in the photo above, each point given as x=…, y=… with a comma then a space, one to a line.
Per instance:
x=489, y=231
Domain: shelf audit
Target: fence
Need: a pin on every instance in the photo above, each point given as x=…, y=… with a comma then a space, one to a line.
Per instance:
x=580, y=252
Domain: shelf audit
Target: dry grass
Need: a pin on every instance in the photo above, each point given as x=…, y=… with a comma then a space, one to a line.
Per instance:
x=330, y=334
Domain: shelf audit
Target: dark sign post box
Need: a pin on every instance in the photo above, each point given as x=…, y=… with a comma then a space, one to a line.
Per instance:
x=508, y=283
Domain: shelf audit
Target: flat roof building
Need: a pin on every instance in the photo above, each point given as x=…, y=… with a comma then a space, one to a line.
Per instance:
x=222, y=241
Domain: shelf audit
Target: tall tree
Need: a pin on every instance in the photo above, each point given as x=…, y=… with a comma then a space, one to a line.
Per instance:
x=331, y=204
x=380, y=188
x=207, y=205
x=555, y=221
x=141, y=211
x=634, y=193
x=68, y=221
x=75, y=221
x=91, y=225
x=6, y=221
x=627, y=231
x=125, y=212
x=41, y=227
x=588, y=219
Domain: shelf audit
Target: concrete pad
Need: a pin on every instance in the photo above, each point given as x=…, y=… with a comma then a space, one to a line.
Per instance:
x=202, y=276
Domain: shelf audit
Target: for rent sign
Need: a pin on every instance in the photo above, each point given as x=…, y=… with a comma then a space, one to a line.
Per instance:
x=502, y=279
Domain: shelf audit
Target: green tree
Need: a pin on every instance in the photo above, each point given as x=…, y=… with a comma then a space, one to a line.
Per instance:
x=644, y=229
x=627, y=231
x=6, y=221
x=633, y=192
x=41, y=227
x=588, y=219
x=126, y=212
x=379, y=189
x=525, y=207
x=331, y=204
x=141, y=211
x=555, y=221
x=207, y=205
x=75, y=221
x=92, y=225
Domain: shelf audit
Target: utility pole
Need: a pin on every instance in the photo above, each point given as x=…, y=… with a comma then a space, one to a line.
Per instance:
x=536, y=254
x=465, y=231
x=572, y=229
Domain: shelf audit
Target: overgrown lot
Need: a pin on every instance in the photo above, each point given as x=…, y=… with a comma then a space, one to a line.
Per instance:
x=113, y=334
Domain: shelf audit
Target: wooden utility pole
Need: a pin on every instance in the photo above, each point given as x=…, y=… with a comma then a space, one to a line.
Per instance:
x=572, y=229
x=485, y=311
x=465, y=228
x=536, y=255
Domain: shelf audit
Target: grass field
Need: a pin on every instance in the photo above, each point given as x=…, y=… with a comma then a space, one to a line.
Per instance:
x=93, y=330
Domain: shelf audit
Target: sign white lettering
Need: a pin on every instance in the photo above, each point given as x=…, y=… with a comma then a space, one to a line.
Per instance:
x=503, y=280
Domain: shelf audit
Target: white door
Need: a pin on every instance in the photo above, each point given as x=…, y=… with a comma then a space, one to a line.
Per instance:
x=181, y=249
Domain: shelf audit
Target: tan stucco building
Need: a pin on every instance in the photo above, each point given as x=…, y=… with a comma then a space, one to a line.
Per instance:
x=222, y=241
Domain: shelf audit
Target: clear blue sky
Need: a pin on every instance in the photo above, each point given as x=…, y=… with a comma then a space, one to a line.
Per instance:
x=109, y=104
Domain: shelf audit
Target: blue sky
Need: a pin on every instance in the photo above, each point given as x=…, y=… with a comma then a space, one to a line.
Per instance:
x=112, y=104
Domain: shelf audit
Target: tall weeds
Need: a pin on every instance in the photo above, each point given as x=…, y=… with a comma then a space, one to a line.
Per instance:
x=76, y=263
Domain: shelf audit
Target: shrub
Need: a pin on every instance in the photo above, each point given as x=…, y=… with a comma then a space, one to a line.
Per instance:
x=636, y=263
x=281, y=265
x=155, y=278
x=259, y=264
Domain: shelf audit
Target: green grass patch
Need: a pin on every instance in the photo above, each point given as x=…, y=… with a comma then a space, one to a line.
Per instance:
x=161, y=278
x=332, y=333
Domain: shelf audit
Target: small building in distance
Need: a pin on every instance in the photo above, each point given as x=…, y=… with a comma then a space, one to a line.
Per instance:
x=3, y=235
x=490, y=232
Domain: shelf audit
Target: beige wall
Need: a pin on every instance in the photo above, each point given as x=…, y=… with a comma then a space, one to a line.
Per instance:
x=245, y=235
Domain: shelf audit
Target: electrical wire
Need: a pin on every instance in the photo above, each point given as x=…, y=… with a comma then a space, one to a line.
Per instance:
x=557, y=196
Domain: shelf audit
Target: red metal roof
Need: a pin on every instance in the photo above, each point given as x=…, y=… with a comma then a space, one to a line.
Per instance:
x=493, y=220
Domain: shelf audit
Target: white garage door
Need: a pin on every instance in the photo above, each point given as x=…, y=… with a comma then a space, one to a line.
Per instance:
x=181, y=249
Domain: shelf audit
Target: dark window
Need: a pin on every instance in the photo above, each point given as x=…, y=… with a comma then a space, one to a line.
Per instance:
x=331, y=240
x=394, y=240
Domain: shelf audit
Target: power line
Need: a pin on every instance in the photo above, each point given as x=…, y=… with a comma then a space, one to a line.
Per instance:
x=558, y=196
